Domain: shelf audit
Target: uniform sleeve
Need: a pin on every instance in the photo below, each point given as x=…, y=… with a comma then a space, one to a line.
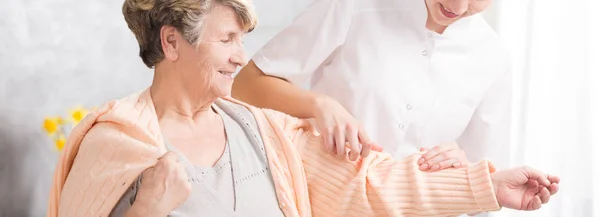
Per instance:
x=298, y=50
x=488, y=134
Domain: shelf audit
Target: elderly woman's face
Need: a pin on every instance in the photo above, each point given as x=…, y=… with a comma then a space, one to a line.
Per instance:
x=446, y=12
x=219, y=54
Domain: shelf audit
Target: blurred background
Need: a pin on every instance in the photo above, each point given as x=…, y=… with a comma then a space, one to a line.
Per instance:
x=56, y=55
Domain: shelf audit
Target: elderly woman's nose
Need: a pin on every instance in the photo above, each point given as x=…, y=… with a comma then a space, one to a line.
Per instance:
x=238, y=58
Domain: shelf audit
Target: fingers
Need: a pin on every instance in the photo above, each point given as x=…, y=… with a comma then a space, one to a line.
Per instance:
x=340, y=142
x=436, y=151
x=533, y=188
x=554, y=179
x=352, y=138
x=167, y=165
x=183, y=175
x=434, y=162
x=376, y=147
x=535, y=203
x=350, y=135
x=150, y=172
x=367, y=143
x=544, y=195
x=445, y=164
x=538, y=176
x=451, y=158
x=422, y=159
x=165, y=161
x=170, y=162
x=553, y=188
x=329, y=137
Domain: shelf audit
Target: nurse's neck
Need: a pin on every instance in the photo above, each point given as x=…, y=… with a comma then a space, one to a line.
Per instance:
x=434, y=26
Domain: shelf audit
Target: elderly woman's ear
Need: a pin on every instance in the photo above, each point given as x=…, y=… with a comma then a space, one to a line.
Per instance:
x=171, y=41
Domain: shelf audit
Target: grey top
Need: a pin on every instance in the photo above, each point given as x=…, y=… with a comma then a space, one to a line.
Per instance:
x=239, y=184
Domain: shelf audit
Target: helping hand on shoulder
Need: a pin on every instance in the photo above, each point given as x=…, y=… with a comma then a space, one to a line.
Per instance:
x=337, y=127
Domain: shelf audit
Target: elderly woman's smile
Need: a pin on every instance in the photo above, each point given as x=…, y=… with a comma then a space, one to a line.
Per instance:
x=226, y=73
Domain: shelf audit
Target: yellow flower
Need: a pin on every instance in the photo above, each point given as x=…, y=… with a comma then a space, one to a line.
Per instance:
x=60, y=142
x=59, y=120
x=51, y=125
x=78, y=114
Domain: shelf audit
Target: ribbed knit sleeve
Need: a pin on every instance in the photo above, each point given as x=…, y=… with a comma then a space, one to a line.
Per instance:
x=381, y=186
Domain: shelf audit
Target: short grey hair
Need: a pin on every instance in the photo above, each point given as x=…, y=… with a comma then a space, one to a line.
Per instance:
x=145, y=18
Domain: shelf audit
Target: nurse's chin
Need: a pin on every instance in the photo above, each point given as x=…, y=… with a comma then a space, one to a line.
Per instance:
x=444, y=21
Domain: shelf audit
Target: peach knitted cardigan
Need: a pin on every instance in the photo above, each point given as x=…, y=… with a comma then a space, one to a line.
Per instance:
x=113, y=145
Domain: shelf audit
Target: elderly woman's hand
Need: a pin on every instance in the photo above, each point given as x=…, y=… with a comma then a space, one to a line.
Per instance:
x=444, y=156
x=340, y=130
x=164, y=187
x=524, y=188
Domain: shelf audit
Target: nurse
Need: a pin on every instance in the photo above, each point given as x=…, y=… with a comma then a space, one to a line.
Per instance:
x=402, y=74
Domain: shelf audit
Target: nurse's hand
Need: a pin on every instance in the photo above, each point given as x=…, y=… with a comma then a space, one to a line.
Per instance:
x=340, y=130
x=442, y=157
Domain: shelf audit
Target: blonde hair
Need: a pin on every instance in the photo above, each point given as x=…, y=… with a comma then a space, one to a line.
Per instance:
x=145, y=18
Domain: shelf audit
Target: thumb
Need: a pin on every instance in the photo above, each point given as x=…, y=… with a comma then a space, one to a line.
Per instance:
x=364, y=139
x=376, y=147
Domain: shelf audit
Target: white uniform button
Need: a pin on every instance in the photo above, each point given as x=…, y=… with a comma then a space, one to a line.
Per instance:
x=424, y=53
x=408, y=107
x=429, y=34
x=401, y=126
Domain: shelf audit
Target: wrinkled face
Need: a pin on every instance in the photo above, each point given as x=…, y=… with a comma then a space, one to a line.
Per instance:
x=446, y=12
x=213, y=62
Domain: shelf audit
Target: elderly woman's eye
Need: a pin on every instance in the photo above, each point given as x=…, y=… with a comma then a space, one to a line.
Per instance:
x=226, y=40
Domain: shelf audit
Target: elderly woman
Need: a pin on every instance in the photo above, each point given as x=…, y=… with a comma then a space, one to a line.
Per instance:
x=182, y=147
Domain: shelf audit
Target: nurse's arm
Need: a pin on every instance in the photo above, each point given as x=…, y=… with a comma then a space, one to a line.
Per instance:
x=274, y=77
x=254, y=87
x=488, y=133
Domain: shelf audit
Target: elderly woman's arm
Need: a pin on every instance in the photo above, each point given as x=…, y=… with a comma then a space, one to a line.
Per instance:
x=378, y=185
